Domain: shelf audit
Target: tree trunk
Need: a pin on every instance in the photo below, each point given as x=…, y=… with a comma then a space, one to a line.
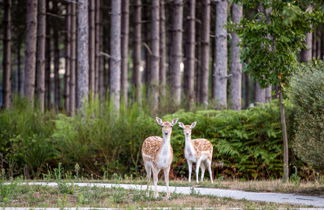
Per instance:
x=67, y=74
x=124, y=51
x=205, y=52
x=48, y=63
x=7, y=54
x=268, y=95
x=314, y=36
x=20, y=80
x=220, y=67
x=259, y=94
x=99, y=61
x=30, y=55
x=92, y=45
x=318, y=43
x=236, y=66
x=176, y=51
x=41, y=35
x=190, y=58
x=115, y=60
x=163, y=50
x=306, y=53
x=73, y=60
x=83, y=56
x=285, y=176
x=247, y=90
x=138, y=51
x=155, y=56
x=57, y=86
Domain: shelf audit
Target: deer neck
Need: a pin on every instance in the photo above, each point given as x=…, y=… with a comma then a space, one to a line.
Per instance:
x=188, y=145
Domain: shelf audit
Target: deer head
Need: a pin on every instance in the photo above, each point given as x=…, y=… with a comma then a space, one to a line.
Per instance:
x=166, y=126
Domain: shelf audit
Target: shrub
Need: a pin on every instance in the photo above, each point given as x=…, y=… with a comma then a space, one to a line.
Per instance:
x=307, y=96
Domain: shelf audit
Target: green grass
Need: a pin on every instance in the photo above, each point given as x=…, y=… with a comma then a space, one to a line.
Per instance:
x=73, y=196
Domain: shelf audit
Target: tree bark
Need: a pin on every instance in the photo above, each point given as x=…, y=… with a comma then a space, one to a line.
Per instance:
x=30, y=54
x=190, y=58
x=259, y=93
x=67, y=74
x=306, y=53
x=115, y=60
x=41, y=35
x=124, y=51
x=176, y=51
x=7, y=54
x=83, y=56
x=92, y=45
x=138, y=51
x=236, y=66
x=73, y=60
x=20, y=79
x=48, y=62
x=57, y=85
x=247, y=90
x=285, y=176
x=220, y=67
x=268, y=95
x=205, y=52
x=99, y=59
x=155, y=56
x=163, y=49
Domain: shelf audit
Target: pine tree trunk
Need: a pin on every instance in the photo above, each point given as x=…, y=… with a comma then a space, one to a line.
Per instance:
x=124, y=51
x=155, y=56
x=30, y=55
x=205, y=52
x=259, y=94
x=48, y=63
x=99, y=62
x=247, y=90
x=41, y=35
x=138, y=51
x=306, y=53
x=318, y=43
x=190, y=58
x=220, y=67
x=57, y=86
x=83, y=56
x=176, y=51
x=115, y=60
x=92, y=45
x=67, y=74
x=163, y=49
x=285, y=177
x=236, y=66
x=7, y=54
x=73, y=64
x=20, y=81
x=268, y=95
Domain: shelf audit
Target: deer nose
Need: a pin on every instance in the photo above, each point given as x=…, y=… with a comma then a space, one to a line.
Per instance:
x=166, y=133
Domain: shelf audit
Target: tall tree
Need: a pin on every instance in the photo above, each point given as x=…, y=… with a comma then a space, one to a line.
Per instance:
x=163, y=50
x=115, y=51
x=220, y=67
x=56, y=48
x=155, y=56
x=176, y=51
x=205, y=52
x=236, y=66
x=30, y=55
x=138, y=50
x=268, y=95
x=259, y=94
x=306, y=53
x=92, y=45
x=41, y=36
x=190, y=58
x=124, y=50
x=67, y=74
x=83, y=56
x=99, y=61
x=73, y=63
x=7, y=53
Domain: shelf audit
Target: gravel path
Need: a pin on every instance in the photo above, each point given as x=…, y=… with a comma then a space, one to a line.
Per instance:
x=234, y=194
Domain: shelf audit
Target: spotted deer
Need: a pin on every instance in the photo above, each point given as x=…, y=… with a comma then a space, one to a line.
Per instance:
x=199, y=151
x=157, y=154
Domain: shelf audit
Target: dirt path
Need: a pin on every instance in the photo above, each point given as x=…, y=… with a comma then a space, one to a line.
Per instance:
x=234, y=194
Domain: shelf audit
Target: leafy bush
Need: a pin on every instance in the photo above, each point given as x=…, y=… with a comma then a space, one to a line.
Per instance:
x=307, y=96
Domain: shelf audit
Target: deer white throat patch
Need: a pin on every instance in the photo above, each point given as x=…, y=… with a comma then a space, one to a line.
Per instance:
x=163, y=160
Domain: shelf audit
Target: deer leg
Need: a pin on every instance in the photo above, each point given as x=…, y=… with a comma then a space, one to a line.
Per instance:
x=197, y=168
x=166, y=178
x=209, y=169
x=148, y=169
x=202, y=166
x=155, y=181
x=190, y=169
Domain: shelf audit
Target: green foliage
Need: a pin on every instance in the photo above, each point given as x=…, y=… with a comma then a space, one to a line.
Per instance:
x=307, y=95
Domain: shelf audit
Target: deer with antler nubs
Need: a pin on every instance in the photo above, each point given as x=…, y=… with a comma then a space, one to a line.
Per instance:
x=199, y=151
x=157, y=154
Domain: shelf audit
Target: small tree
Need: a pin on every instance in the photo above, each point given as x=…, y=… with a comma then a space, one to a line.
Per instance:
x=269, y=49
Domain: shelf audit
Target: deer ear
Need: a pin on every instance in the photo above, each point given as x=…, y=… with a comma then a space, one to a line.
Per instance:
x=174, y=121
x=193, y=125
x=159, y=121
x=181, y=125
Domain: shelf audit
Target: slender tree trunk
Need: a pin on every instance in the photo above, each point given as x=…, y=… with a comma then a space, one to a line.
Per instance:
x=163, y=50
x=57, y=85
x=314, y=43
x=92, y=34
x=306, y=53
x=318, y=43
x=7, y=54
x=30, y=55
x=259, y=94
x=20, y=80
x=67, y=74
x=73, y=64
x=189, y=70
x=41, y=36
x=99, y=67
x=138, y=51
x=83, y=56
x=48, y=65
x=285, y=177
x=220, y=68
x=247, y=90
x=115, y=60
x=236, y=66
x=205, y=52
x=176, y=51
x=155, y=56
x=268, y=95
x=124, y=50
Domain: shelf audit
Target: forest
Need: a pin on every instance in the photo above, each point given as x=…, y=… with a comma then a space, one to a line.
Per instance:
x=82, y=81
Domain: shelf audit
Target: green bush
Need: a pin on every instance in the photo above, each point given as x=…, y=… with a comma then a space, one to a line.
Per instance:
x=307, y=96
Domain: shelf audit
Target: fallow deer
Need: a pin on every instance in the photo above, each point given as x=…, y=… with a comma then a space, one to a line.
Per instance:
x=199, y=151
x=157, y=154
